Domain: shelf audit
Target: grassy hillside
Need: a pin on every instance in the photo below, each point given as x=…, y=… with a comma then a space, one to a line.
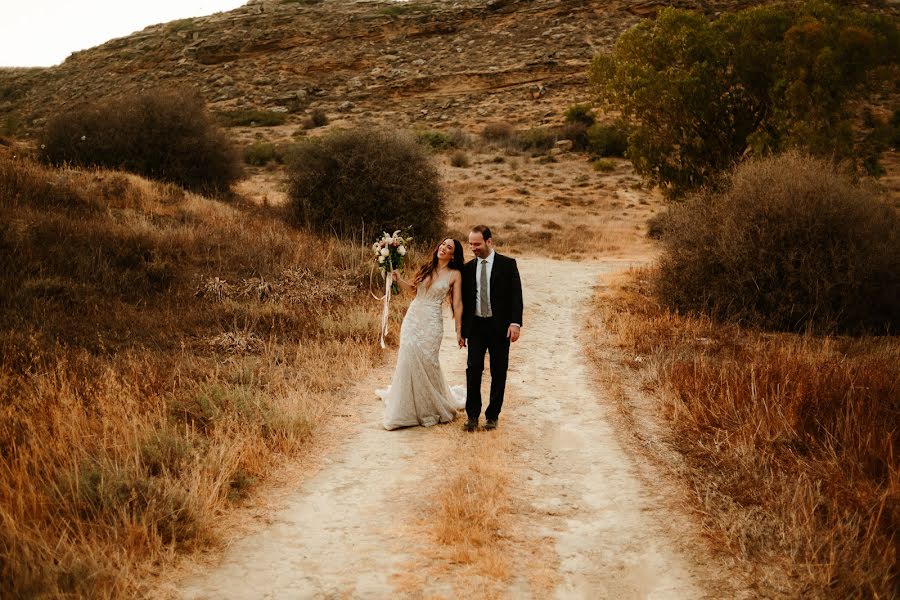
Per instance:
x=157, y=351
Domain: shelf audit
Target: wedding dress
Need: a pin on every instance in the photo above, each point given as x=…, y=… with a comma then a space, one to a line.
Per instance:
x=418, y=394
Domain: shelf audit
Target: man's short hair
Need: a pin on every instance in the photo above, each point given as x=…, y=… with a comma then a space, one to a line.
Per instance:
x=484, y=230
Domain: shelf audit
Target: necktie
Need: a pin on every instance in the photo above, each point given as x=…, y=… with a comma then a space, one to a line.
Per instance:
x=484, y=300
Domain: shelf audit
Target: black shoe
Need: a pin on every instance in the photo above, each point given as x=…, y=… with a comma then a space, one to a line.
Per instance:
x=470, y=426
x=490, y=425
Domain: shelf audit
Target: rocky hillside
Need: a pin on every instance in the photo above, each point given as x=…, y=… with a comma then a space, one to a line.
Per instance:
x=421, y=61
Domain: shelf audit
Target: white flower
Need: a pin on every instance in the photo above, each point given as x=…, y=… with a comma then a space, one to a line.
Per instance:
x=380, y=260
x=375, y=248
x=385, y=252
x=84, y=137
x=401, y=250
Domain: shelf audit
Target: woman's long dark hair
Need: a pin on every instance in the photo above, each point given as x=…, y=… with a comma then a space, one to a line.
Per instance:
x=428, y=268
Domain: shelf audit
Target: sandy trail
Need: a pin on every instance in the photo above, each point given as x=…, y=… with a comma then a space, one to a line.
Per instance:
x=349, y=531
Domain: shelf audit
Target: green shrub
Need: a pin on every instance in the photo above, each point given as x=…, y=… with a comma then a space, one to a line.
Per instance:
x=581, y=114
x=608, y=139
x=163, y=134
x=604, y=165
x=260, y=153
x=536, y=140
x=705, y=91
x=357, y=183
x=789, y=245
x=436, y=140
x=251, y=118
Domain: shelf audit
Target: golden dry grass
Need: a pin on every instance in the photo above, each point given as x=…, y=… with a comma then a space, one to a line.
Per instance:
x=472, y=507
x=790, y=441
x=469, y=521
x=160, y=354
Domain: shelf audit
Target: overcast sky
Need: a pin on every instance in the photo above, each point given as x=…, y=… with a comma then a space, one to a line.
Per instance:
x=41, y=33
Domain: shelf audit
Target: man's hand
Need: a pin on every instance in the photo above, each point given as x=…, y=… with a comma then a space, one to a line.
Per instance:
x=513, y=333
x=460, y=340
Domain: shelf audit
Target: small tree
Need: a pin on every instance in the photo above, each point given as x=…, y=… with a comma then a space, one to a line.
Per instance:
x=703, y=93
x=164, y=134
x=363, y=181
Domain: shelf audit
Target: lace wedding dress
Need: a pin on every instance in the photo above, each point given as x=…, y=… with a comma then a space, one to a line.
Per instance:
x=418, y=394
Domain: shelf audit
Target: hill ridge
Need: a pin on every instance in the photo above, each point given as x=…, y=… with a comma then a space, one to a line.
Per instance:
x=415, y=62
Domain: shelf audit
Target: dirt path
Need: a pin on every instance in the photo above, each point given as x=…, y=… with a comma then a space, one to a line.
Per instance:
x=356, y=528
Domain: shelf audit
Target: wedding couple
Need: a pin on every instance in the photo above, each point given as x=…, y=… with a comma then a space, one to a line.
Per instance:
x=486, y=301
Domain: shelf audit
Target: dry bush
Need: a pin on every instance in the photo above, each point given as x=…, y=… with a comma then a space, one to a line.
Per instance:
x=460, y=159
x=498, y=132
x=536, y=141
x=358, y=183
x=790, y=439
x=317, y=118
x=260, y=153
x=165, y=135
x=789, y=245
x=656, y=225
x=159, y=353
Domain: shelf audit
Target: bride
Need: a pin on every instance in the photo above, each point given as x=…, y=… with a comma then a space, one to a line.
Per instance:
x=418, y=394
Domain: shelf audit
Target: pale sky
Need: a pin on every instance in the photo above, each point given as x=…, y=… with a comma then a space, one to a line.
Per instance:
x=41, y=33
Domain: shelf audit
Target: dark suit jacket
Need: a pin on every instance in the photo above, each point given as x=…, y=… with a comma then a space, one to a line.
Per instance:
x=506, y=293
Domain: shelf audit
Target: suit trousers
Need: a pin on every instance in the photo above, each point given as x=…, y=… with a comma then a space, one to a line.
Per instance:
x=484, y=337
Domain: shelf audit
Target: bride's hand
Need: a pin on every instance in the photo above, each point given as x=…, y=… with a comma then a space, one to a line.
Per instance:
x=395, y=276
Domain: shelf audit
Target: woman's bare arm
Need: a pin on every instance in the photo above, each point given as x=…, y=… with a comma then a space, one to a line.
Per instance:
x=404, y=285
x=456, y=299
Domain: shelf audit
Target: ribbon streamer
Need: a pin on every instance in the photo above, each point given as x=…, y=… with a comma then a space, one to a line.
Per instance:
x=385, y=314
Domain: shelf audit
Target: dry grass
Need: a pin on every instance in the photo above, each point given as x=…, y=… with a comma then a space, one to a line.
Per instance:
x=472, y=507
x=159, y=354
x=790, y=442
x=560, y=210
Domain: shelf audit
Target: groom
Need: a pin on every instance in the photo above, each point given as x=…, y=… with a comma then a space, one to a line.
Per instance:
x=491, y=320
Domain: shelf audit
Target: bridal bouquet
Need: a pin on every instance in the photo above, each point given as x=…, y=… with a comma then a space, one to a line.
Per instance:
x=390, y=254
